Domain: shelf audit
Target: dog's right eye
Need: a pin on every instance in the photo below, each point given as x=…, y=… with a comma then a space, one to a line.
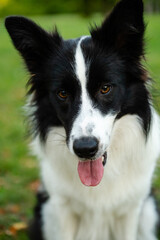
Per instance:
x=62, y=95
x=105, y=89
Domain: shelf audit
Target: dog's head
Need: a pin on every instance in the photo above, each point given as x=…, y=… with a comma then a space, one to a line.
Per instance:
x=86, y=84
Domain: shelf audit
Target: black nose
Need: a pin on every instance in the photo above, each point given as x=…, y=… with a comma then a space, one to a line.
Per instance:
x=85, y=147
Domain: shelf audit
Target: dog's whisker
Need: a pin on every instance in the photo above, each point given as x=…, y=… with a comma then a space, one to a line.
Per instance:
x=61, y=141
x=59, y=134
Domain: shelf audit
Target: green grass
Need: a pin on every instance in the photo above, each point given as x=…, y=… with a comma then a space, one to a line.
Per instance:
x=17, y=168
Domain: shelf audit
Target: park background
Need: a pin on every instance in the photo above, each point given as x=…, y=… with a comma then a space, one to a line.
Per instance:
x=18, y=169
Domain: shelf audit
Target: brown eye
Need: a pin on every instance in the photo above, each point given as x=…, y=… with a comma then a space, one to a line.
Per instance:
x=105, y=89
x=62, y=94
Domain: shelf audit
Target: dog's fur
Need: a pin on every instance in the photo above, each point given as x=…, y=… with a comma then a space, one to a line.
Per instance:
x=69, y=109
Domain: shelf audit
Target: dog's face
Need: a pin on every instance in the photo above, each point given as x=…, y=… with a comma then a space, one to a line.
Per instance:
x=87, y=95
x=86, y=84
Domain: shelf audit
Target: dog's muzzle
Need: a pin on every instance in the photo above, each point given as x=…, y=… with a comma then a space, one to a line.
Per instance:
x=90, y=168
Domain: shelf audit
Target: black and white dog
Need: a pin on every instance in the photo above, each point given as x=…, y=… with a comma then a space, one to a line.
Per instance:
x=90, y=110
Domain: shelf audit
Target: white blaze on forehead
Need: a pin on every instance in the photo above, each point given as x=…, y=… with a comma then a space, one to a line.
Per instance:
x=80, y=64
x=86, y=107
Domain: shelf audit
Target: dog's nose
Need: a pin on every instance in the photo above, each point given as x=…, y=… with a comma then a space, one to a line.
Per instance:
x=85, y=147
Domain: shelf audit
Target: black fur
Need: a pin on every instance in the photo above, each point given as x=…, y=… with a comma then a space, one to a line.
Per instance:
x=113, y=54
x=35, y=228
x=123, y=30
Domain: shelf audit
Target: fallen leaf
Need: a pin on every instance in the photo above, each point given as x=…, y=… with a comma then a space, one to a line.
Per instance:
x=16, y=227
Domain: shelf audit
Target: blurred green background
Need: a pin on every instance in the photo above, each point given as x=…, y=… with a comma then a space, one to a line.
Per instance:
x=85, y=7
x=18, y=169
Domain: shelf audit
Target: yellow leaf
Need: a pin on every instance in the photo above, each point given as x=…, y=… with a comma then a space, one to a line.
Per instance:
x=16, y=227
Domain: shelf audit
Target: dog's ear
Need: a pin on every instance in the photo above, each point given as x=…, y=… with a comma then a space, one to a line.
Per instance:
x=123, y=30
x=31, y=41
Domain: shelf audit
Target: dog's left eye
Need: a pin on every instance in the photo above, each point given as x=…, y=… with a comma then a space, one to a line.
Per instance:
x=62, y=94
x=105, y=89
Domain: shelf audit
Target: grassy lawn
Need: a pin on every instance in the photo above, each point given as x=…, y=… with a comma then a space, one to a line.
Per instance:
x=18, y=170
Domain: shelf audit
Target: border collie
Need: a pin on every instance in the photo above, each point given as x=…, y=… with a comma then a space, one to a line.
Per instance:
x=94, y=128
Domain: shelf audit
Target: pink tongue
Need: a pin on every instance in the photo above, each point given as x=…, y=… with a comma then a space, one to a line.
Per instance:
x=91, y=172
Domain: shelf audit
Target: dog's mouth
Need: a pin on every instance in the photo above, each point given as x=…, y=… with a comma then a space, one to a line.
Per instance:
x=91, y=171
x=104, y=158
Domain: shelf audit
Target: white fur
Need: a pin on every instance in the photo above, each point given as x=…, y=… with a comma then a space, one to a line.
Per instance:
x=148, y=221
x=117, y=208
